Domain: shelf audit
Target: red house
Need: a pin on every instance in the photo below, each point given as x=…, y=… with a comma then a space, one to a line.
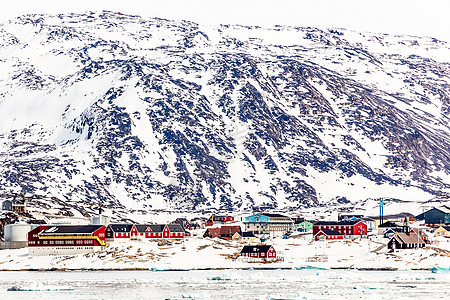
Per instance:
x=66, y=239
x=218, y=219
x=347, y=228
x=329, y=235
x=212, y=233
x=224, y=232
x=119, y=232
x=158, y=232
x=259, y=252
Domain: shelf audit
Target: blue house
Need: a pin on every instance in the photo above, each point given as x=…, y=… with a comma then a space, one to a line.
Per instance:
x=7, y=205
x=257, y=223
x=437, y=215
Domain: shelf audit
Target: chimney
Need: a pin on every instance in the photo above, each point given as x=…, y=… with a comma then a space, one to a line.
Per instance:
x=406, y=227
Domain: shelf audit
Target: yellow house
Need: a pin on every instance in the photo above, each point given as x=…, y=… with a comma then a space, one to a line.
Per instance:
x=243, y=236
x=443, y=231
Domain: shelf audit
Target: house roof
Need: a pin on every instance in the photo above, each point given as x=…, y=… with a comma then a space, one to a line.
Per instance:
x=331, y=232
x=213, y=231
x=229, y=229
x=394, y=229
x=446, y=228
x=388, y=224
x=159, y=227
x=121, y=227
x=274, y=215
x=350, y=216
x=256, y=249
x=367, y=219
x=246, y=234
x=444, y=209
x=74, y=229
x=335, y=223
x=411, y=238
x=220, y=216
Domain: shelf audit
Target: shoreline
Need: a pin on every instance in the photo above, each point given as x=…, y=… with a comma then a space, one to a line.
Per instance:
x=364, y=269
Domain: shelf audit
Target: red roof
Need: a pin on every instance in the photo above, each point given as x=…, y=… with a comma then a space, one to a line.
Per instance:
x=229, y=230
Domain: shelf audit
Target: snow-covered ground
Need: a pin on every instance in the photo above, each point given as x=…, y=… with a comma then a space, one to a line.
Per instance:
x=200, y=253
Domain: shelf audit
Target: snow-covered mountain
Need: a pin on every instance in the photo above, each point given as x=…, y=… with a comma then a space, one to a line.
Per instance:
x=143, y=114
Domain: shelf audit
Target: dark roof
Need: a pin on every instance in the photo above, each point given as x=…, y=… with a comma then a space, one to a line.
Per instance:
x=121, y=227
x=65, y=229
x=331, y=232
x=256, y=249
x=175, y=228
x=388, y=224
x=274, y=215
x=298, y=220
x=395, y=229
x=159, y=228
x=247, y=234
x=447, y=228
x=220, y=217
x=336, y=223
x=149, y=228
x=350, y=216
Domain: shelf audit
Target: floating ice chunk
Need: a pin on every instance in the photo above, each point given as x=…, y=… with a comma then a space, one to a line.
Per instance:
x=39, y=286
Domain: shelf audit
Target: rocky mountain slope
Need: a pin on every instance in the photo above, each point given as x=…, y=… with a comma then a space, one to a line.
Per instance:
x=142, y=114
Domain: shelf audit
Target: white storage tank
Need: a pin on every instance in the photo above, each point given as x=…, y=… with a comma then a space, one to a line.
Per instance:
x=17, y=232
x=100, y=220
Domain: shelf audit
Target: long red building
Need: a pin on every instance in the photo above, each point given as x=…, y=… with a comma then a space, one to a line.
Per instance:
x=66, y=239
x=158, y=232
x=348, y=228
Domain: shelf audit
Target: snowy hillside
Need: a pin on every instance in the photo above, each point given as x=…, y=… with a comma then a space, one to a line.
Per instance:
x=142, y=114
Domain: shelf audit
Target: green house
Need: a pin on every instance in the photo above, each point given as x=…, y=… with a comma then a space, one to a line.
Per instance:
x=304, y=226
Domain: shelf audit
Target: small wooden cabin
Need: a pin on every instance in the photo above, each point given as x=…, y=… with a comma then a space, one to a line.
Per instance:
x=259, y=252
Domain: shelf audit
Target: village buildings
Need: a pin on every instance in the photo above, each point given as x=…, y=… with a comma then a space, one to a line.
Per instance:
x=303, y=226
x=219, y=220
x=119, y=232
x=66, y=239
x=244, y=236
x=436, y=216
x=406, y=240
x=258, y=253
x=388, y=226
x=328, y=235
x=442, y=231
x=348, y=229
x=158, y=232
x=265, y=223
x=223, y=232
x=15, y=205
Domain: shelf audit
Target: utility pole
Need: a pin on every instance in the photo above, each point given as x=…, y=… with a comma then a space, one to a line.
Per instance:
x=381, y=210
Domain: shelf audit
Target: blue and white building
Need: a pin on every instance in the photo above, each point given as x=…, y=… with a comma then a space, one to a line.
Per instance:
x=265, y=223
